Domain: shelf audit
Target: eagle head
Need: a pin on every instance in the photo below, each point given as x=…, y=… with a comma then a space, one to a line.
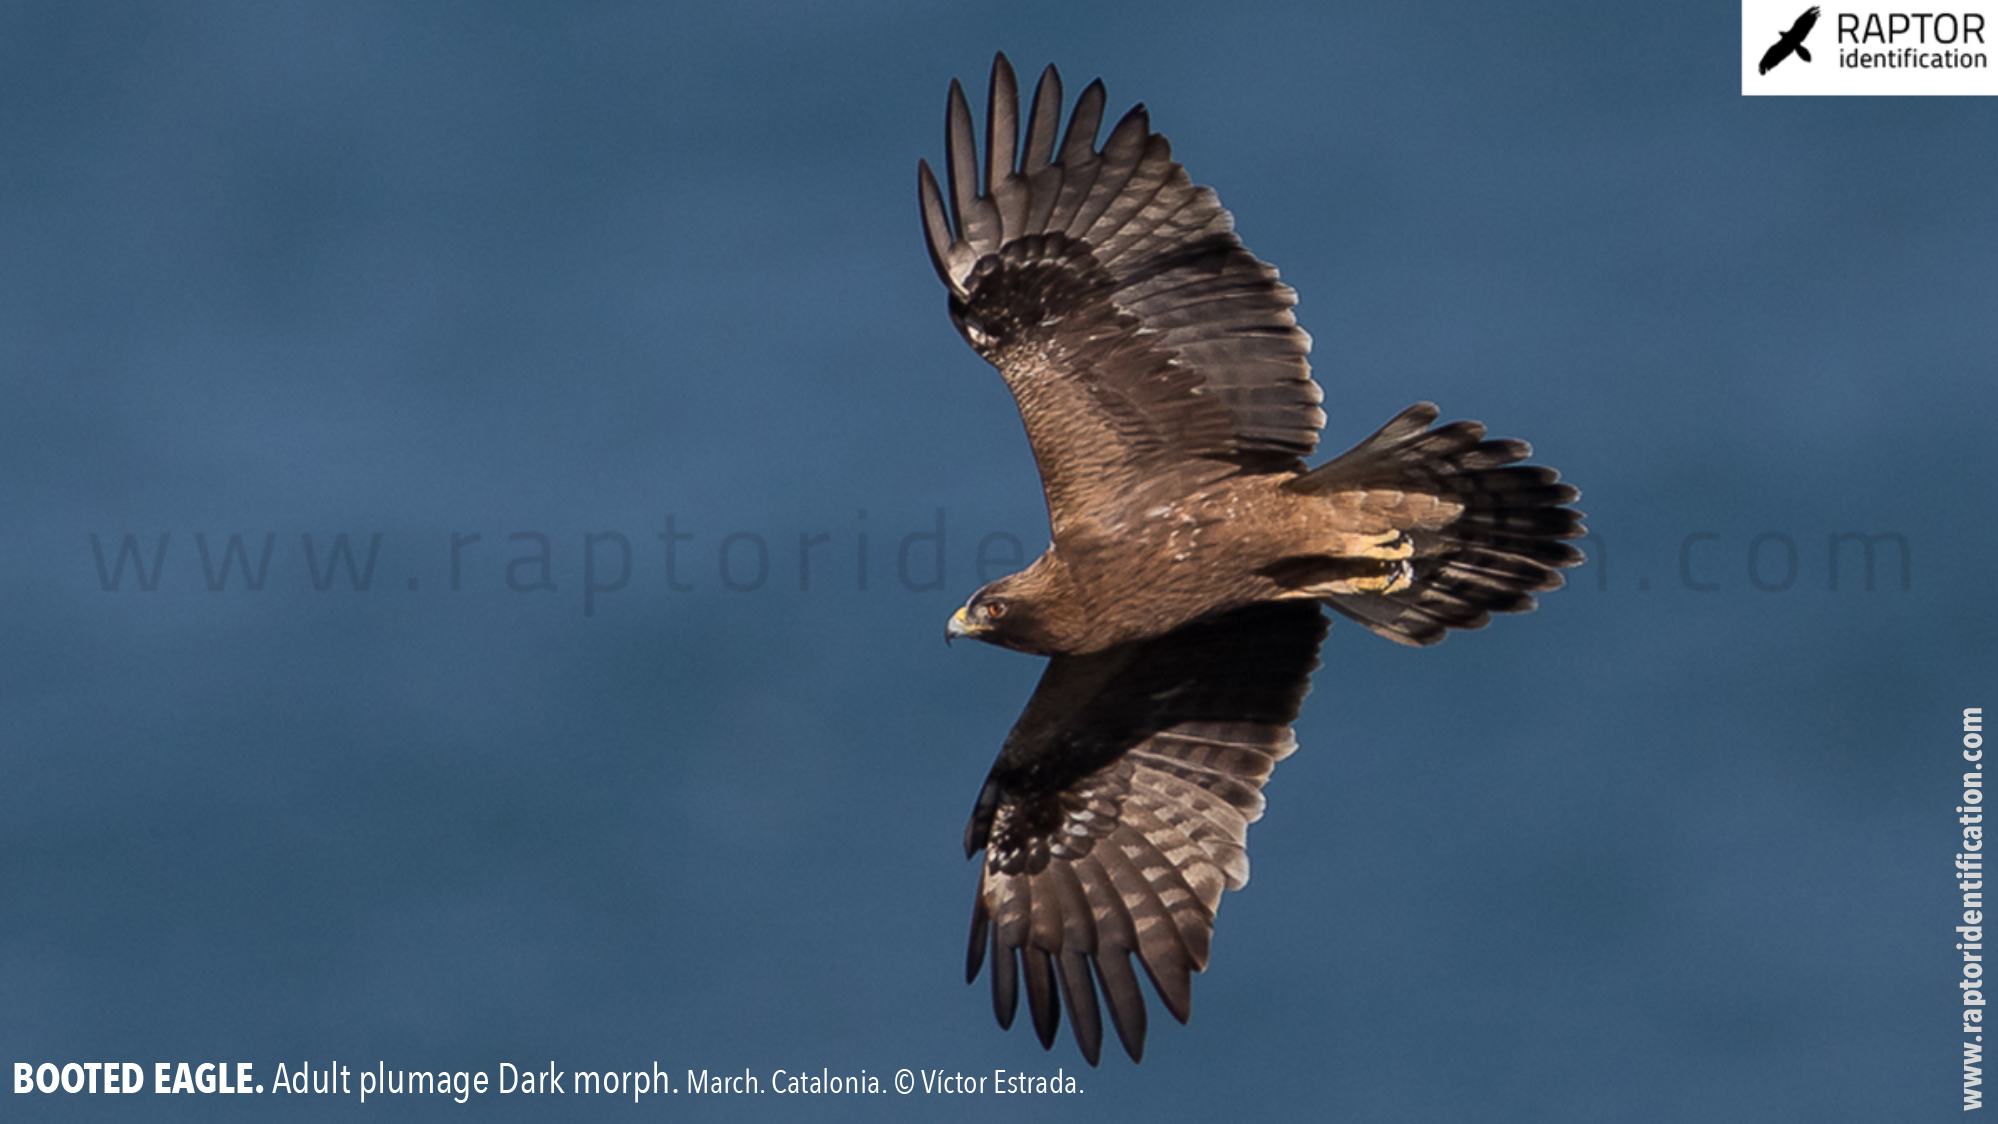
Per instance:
x=1010, y=617
x=991, y=616
x=1034, y=611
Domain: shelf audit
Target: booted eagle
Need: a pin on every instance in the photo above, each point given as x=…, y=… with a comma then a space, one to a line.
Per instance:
x=1163, y=383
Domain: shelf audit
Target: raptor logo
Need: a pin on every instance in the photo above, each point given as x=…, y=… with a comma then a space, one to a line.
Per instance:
x=1792, y=40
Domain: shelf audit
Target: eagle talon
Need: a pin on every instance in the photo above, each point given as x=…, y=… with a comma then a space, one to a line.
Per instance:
x=1400, y=577
x=1394, y=546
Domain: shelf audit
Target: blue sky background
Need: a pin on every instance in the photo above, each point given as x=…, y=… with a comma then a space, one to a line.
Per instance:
x=1651, y=853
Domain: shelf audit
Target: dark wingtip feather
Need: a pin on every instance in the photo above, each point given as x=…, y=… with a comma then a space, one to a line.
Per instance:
x=1005, y=984
x=1083, y=1014
x=1125, y=999
x=1002, y=123
x=1174, y=983
x=1042, y=1002
x=960, y=157
x=1079, y=145
x=981, y=931
x=1136, y=118
x=937, y=235
x=1043, y=122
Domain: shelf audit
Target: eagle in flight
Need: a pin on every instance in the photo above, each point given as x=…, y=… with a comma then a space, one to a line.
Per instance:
x=1170, y=408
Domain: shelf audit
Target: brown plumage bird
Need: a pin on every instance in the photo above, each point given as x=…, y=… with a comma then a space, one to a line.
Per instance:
x=1169, y=404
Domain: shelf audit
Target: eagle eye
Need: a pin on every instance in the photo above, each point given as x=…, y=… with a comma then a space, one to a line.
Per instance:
x=994, y=610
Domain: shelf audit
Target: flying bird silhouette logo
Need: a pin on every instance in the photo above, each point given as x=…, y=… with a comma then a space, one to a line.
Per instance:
x=1792, y=40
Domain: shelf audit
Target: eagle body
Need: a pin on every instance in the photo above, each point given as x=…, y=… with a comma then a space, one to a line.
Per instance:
x=1236, y=541
x=1166, y=393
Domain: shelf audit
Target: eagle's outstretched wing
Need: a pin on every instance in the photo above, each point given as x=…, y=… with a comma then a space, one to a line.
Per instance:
x=1142, y=342
x=1119, y=811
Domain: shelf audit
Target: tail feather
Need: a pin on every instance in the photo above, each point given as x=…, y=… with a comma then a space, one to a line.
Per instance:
x=1504, y=542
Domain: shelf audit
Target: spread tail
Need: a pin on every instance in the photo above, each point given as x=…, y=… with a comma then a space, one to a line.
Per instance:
x=1478, y=532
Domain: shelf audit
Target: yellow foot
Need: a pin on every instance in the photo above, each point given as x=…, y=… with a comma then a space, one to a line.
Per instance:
x=1391, y=546
x=1392, y=577
x=1398, y=577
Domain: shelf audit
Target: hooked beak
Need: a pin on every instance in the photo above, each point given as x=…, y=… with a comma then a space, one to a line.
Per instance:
x=960, y=626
